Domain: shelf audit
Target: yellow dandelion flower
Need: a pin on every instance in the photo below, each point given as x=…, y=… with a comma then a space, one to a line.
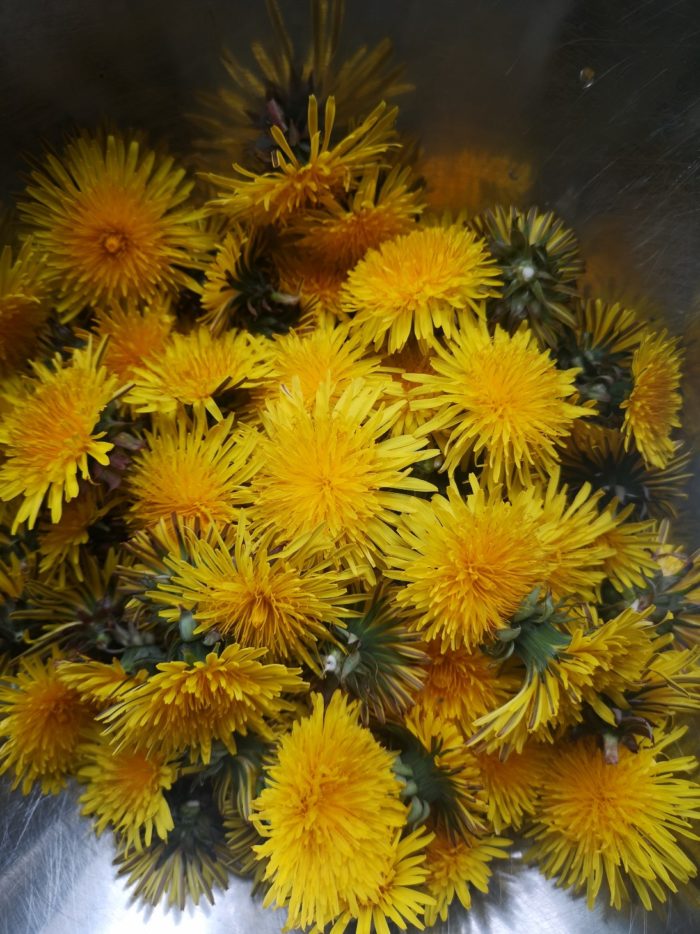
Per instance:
x=317, y=285
x=417, y=283
x=49, y=435
x=414, y=357
x=606, y=329
x=59, y=543
x=329, y=353
x=330, y=465
x=617, y=652
x=189, y=470
x=572, y=533
x=243, y=288
x=603, y=823
x=454, y=866
x=461, y=685
x=42, y=722
x=670, y=684
x=631, y=563
x=502, y=400
x=374, y=212
x=401, y=897
x=511, y=784
x=194, y=368
x=112, y=220
x=188, y=706
x=467, y=565
x=135, y=335
x=124, y=789
x=282, y=600
x=651, y=412
x=675, y=588
x=221, y=290
x=588, y=663
x=329, y=811
x=96, y=682
x=295, y=184
x=23, y=305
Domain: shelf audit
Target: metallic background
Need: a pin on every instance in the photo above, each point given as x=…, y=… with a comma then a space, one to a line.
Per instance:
x=600, y=98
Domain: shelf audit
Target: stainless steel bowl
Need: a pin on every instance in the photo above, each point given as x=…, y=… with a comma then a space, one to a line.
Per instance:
x=600, y=100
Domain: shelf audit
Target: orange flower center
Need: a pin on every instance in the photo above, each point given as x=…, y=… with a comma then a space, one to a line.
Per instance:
x=114, y=242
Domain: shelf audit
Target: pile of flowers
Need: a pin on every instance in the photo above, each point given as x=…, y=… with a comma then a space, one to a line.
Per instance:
x=334, y=540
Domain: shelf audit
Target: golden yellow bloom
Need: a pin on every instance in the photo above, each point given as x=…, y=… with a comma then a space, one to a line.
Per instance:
x=612, y=329
x=136, y=335
x=401, y=897
x=503, y=401
x=417, y=283
x=601, y=823
x=49, y=435
x=676, y=586
x=97, y=683
x=124, y=789
x=42, y=722
x=455, y=865
x=633, y=543
x=59, y=543
x=414, y=357
x=670, y=684
x=279, y=600
x=328, y=464
x=188, y=706
x=596, y=663
x=511, y=784
x=573, y=535
x=219, y=291
x=317, y=285
x=193, y=368
x=329, y=353
x=295, y=185
x=374, y=212
x=189, y=470
x=328, y=812
x=651, y=412
x=23, y=305
x=461, y=685
x=241, y=282
x=112, y=221
x=617, y=652
x=467, y=564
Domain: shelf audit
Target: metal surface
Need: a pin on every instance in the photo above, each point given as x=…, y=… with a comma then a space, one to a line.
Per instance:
x=601, y=99
x=57, y=878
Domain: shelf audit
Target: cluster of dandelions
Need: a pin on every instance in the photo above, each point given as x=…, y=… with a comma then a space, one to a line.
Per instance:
x=334, y=537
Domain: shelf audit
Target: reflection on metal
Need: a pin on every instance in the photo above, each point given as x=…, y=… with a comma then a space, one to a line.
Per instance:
x=57, y=878
x=592, y=107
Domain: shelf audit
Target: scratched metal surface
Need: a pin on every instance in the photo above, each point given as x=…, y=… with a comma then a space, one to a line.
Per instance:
x=601, y=99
